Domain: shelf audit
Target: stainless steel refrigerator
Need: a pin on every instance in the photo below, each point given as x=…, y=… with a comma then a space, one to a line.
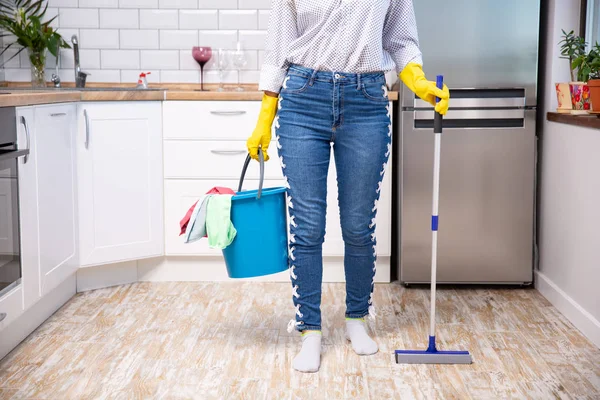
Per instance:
x=488, y=54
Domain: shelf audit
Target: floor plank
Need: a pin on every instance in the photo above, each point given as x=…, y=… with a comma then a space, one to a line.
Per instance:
x=192, y=340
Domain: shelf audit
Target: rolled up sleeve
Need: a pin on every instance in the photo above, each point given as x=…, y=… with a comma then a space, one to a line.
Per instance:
x=400, y=37
x=281, y=33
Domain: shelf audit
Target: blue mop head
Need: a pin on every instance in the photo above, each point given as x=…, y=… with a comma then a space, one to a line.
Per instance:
x=432, y=356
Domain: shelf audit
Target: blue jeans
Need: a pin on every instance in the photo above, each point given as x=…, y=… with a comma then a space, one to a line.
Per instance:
x=350, y=113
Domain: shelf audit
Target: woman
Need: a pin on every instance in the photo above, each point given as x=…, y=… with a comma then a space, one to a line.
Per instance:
x=324, y=84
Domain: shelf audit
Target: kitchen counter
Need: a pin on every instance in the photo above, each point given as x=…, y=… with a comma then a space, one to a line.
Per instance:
x=18, y=94
x=30, y=98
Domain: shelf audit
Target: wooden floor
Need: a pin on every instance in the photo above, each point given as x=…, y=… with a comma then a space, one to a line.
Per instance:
x=229, y=341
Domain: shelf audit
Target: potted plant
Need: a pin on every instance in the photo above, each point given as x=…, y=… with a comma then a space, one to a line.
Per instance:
x=593, y=65
x=572, y=47
x=23, y=19
x=580, y=90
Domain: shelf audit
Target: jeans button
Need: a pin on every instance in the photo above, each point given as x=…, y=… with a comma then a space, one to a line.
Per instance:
x=337, y=76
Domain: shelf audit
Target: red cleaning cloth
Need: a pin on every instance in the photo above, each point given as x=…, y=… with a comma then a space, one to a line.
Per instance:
x=220, y=190
x=184, y=222
x=216, y=190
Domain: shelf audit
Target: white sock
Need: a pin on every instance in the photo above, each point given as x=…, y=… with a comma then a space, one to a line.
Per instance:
x=309, y=358
x=356, y=332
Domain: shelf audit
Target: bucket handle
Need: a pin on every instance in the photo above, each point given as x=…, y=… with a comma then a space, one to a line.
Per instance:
x=261, y=161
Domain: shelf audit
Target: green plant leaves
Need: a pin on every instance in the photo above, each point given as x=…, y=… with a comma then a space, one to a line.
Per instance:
x=583, y=65
x=53, y=43
x=23, y=19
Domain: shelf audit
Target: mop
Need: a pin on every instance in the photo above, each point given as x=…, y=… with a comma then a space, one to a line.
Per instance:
x=432, y=355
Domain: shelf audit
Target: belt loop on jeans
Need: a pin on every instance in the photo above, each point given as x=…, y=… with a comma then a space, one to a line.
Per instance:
x=359, y=83
x=312, y=77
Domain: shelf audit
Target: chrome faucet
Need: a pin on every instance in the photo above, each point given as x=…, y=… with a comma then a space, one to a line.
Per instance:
x=79, y=76
x=55, y=76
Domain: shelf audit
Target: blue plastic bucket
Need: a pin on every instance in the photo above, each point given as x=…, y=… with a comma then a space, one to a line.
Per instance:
x=260, y=218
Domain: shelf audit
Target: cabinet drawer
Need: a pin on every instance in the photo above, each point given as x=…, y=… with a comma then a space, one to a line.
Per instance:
x=214, y=160
x=209, y=120
x=179, y=197
x=11, y=304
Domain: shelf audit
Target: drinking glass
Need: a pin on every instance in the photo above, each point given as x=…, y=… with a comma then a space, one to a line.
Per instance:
x=202, y=55
x=223, y=64
x=239, y=61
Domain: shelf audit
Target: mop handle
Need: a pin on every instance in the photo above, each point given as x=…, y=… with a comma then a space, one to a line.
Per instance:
x=437, y=130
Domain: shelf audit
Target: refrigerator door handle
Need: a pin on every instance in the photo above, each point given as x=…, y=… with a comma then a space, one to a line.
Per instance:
x=469, y=119
x=474, y=114
x=480, y=98
x=494, y=102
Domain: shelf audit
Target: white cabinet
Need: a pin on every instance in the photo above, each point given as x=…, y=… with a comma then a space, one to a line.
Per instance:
x=54, y=142
x=120, y=178
x=47, y=208
x=47, y=196
x=185, y=159
x=199, y=156
x=210, y=120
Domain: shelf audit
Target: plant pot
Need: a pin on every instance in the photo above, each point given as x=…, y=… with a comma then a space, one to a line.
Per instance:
x=594, y=85
x=580, y=97
x=37, y=59
x=563, y=95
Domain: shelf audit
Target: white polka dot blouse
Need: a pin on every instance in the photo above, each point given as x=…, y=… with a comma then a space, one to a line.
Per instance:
x=353, y=36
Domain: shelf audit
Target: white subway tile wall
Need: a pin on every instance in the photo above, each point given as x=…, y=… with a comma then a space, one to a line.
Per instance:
x=98, y=4
x=125, y=19
x=118, y=39
x=139, y=39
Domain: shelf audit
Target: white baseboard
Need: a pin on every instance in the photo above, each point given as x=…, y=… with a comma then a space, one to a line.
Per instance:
x=582, y=319
x=198, y=269
x=27, y=322
x=90, y=278
x=212, y=269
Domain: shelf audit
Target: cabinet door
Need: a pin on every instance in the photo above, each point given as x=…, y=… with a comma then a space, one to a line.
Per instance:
x=120, y=178
x=56, y=189
x=28, y=207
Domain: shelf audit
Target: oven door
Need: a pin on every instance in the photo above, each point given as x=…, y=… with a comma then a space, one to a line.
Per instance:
x=10, y=248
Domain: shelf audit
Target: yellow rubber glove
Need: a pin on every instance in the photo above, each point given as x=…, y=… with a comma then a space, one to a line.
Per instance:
x=414, y=78
x=261, y=137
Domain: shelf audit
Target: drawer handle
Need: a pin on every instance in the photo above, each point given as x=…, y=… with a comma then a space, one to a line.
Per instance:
x=228, y=113
x=228, y=152
x=2, y=316
x=58, y=114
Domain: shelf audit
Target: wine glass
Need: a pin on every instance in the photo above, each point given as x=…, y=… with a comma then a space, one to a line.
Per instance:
x=202, y=55
x=223, y=64
x=239, y=61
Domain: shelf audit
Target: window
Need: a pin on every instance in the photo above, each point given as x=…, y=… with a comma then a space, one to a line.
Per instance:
x=590, y=21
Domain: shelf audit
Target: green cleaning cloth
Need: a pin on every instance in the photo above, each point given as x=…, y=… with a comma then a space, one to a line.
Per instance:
x=219, y=228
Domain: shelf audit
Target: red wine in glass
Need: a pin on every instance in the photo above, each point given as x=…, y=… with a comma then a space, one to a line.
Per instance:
x=202, y=55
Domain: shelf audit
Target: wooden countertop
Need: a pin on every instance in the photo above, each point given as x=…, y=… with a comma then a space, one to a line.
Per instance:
x=16, y=94
x=587, y=121
x=23, y=98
